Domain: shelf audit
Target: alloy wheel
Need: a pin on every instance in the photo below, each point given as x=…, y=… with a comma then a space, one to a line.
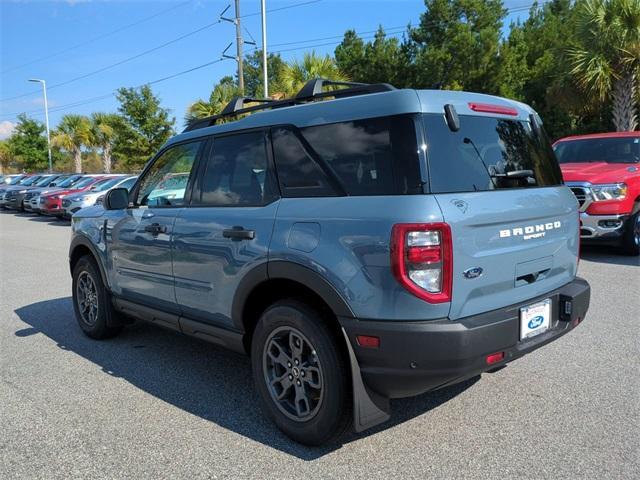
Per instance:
x=293, y=373
x=87, y=298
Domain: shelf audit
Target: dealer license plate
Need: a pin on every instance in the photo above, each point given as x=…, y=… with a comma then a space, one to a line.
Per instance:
x=535, y=319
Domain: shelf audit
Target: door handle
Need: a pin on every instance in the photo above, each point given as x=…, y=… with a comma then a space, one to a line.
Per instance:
x=239, y=233
x=155, y=228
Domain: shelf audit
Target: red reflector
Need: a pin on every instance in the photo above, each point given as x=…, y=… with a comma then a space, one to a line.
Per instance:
x=368, y=341
x=424, y=254
x=495, y=358
x=490, y=108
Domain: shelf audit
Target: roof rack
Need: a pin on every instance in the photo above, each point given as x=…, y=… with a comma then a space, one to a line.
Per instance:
x=310, y=92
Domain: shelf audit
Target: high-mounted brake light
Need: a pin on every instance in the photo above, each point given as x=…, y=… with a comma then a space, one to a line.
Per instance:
x=422, y=261
x=490, y=108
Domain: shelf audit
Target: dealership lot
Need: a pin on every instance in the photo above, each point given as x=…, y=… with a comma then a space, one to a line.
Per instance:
x=152, y=403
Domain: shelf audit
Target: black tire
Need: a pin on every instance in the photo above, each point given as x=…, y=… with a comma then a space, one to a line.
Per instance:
x=328, y=415
x=631, y=237
x=98, y=325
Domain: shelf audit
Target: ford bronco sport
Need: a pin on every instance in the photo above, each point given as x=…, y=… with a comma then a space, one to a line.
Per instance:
x=361, y=244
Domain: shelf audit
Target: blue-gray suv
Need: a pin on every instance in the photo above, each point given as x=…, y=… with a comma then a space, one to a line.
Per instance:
x=360, y=242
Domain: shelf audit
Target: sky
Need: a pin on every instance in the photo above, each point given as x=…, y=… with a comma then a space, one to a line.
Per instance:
x=84, y=48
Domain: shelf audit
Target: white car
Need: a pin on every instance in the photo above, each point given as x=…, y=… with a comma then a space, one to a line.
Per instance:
x=76, y=201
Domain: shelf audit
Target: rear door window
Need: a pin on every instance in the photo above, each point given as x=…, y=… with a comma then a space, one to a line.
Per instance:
x=488, y=153
x=237, y=172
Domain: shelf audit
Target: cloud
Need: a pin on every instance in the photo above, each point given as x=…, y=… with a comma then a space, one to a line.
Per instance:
x=6, y=129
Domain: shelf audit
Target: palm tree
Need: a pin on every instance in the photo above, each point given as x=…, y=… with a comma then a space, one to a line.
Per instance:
x=103, y=133
x=220, y=96
x=296, y=73
x=73, y=133
x=606, y=60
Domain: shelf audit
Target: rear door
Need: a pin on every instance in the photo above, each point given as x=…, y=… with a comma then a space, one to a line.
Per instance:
x=514, y=224
x=225, y=232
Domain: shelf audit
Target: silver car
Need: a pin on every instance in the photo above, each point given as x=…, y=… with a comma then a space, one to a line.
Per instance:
x=76, y=201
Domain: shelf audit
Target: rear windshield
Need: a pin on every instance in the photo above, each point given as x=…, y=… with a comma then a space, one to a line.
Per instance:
x=488, y=153
x=609, y=150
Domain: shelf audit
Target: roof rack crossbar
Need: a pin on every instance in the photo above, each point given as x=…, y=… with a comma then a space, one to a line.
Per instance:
x=237, y=103
x=311, y=91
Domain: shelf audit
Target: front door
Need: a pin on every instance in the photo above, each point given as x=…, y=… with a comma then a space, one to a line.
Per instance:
x=141, y=240
x=226, y=231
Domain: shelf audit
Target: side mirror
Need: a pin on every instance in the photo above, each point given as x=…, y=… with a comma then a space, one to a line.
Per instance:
x=116, y=199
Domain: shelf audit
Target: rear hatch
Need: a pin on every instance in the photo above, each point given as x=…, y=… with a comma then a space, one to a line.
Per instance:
x=514, y=224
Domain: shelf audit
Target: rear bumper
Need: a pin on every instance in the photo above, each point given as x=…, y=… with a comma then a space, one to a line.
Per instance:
x=415, y=357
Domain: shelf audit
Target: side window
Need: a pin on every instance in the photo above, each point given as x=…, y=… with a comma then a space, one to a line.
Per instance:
x=237, y=172
x=374, y=156
x=165, y=183
x=298, y=173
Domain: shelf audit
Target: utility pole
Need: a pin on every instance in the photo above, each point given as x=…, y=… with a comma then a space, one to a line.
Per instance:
x=265, y=79
x=239, y=49
x=46, y=117
x=239, y=43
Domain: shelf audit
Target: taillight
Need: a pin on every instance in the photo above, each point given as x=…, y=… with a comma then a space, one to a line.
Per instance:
x=422, y=259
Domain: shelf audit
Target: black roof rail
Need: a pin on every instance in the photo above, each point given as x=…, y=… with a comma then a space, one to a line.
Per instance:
x=311, y=91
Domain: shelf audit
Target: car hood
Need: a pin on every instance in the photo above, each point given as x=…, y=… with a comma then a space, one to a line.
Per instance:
x=599, y=172
x=89, y=212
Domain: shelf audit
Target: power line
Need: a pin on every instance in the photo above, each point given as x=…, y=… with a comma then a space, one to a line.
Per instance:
x=107, y=67
x=146, y=52
x=95, y=39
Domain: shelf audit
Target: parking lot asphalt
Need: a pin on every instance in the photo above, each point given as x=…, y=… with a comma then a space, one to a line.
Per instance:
x=154, y=404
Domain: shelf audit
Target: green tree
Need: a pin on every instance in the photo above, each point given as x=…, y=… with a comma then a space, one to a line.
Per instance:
x=297, y=72
x=28, y=144
x=253, y=85
x=6, y=156
x=104, y=128
x=146, y=126
x=606, y=59
x=223, y=92
x=457, y=45
x=72, y=134
x=383, y=60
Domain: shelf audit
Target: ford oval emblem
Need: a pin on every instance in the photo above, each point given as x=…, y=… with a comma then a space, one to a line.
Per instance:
x=535, y=322
x=473, y=272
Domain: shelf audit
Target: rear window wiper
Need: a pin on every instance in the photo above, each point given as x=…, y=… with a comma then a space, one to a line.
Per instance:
x=514, y=174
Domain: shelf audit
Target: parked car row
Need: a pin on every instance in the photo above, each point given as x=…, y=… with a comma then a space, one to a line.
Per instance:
x=58, y=194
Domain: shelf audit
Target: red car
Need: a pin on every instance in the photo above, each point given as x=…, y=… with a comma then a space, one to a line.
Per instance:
x=51, y=203
x=603, y=171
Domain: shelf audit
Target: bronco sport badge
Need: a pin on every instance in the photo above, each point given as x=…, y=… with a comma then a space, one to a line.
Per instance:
x=530, y=231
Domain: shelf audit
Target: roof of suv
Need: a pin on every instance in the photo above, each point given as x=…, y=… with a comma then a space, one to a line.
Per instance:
x=392, y=102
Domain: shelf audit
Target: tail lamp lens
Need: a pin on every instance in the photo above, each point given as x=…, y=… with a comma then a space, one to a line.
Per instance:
x=421, y=259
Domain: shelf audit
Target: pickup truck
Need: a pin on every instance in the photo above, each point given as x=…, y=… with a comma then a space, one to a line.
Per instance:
x=603, y=171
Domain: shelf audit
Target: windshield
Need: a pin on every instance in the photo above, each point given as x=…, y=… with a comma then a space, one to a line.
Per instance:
x=67, y=182
x=609, y=150
x=43, y=182
x=15, y=180
x=84, y=182
x=30, y=180
x=488, y=153
x=103, y=185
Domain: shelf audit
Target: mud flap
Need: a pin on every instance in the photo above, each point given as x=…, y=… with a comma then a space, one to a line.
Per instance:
x=369, y=408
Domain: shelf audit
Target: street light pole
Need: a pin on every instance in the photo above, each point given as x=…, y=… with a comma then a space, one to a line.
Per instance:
x=264, y=49
x=46, y=117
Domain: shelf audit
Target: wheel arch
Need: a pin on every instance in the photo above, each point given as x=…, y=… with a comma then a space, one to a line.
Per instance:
x=276, y=280
x=81, y=246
